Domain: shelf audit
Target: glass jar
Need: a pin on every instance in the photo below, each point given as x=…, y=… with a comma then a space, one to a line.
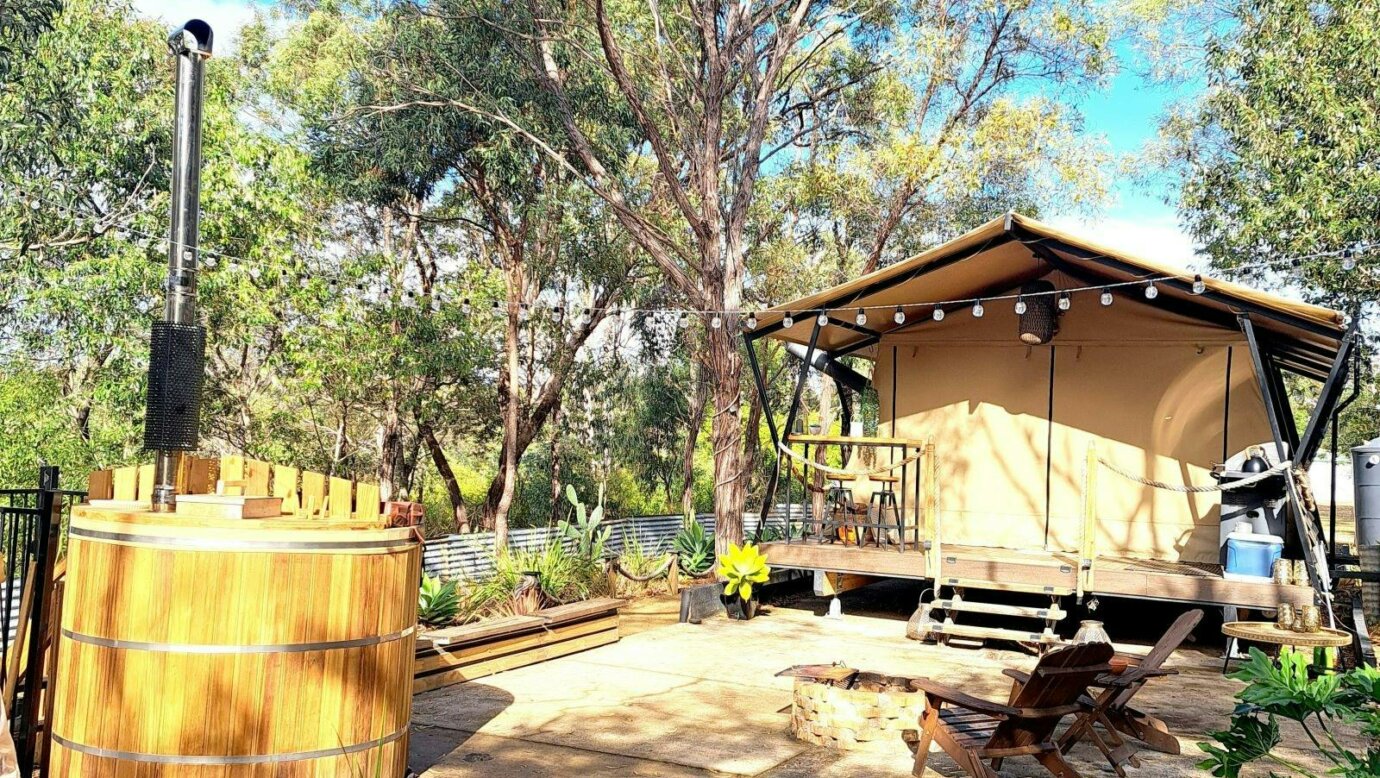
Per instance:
x=1091, y=632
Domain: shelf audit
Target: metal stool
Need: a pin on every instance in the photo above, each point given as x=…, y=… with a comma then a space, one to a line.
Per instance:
x=839, y=503
x=884, y=497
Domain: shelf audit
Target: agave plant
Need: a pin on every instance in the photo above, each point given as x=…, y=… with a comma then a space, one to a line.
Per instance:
x=694, y=548
x=741, y=568
x=438, y=601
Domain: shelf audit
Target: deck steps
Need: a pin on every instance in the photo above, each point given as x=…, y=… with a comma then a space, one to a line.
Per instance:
x=1006, y=586
x=955, y=605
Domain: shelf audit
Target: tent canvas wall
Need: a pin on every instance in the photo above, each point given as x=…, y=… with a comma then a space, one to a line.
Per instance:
x=1160, y=395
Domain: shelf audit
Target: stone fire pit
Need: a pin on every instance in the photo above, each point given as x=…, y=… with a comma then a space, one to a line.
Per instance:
x=851, y=710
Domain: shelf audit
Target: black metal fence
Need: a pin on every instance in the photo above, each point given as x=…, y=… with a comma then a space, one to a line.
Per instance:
x=33, y=525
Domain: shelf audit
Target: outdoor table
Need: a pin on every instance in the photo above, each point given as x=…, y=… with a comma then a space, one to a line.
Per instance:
x=1271, y=633
x=902, y=446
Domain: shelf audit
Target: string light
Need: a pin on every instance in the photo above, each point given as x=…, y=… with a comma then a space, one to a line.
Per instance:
x=899, y=316
x=684, y=320
x=465, y=306
x=1065, y=301
x=1020, y=306
x=1348, y=260
x=1106, y=297
x=938, y=314
x=716, y=322
x=822, y=319
x=751, y=321
x=861, y=318
x=1198, y=286
x=1151, y=291
x=787, y=321
x=978, y=310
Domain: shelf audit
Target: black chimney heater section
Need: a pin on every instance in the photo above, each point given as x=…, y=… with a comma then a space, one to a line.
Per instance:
x=177, y=348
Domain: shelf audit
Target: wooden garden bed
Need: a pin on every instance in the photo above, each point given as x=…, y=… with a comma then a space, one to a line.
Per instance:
x=457, y=654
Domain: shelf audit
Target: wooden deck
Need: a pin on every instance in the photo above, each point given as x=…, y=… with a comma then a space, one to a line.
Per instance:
x=1053, y=572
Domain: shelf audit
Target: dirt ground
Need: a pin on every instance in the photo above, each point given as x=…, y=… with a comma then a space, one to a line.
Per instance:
x=686, y=700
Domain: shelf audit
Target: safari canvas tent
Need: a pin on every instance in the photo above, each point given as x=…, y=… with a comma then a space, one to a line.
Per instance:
x=1150, y=374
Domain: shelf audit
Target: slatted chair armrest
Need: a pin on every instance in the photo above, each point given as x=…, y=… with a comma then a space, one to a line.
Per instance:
x=1055, y=712
x=1019, y=676
x=955, y=697
x=1132, y=676
x=1130, y=659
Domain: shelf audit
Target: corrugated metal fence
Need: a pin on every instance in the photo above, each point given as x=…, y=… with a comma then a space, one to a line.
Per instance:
x=471, y=556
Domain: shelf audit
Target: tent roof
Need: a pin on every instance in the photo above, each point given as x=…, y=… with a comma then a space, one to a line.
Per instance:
x=1014, y=249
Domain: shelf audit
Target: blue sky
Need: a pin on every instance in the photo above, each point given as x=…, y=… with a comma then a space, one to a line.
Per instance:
x=1126, y=113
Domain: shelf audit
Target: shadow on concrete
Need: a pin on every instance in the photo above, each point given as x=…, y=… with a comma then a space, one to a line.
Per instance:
x=430, y=743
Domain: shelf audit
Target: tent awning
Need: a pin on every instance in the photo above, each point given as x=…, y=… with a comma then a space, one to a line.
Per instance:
x=1012, y=250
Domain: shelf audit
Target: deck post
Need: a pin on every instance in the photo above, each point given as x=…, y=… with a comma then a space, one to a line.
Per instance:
x=930, y=542
x=1088, y=542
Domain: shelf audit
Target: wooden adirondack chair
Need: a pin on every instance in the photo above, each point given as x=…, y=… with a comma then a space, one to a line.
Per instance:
x=1110, y=705
x=973, y=730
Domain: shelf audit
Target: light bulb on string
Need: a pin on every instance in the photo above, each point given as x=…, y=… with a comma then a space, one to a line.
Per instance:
x=899, y=316
x=1151, y=291
x=1065, y=301
x=1198, y=286
x=978, y=310
x=787, y=321
x=1106, y=297
x=938, y=314
x=684, y=320
x=861, y=318
x=1020, y=306
x=751, y=321
x=465, y=306
x=716, y=322
x=1348, y=260
x=822, y=319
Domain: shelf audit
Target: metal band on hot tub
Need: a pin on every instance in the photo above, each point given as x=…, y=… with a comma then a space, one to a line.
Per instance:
x=279, y=648
x=296, y=756
x=195, y=543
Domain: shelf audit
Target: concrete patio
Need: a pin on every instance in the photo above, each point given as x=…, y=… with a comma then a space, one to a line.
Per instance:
x=678, y=700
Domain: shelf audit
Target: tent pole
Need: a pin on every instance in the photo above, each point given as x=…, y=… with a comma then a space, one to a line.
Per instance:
x=1263, y=380
x=800, y=382
x=769, y=494
x=1327, y=400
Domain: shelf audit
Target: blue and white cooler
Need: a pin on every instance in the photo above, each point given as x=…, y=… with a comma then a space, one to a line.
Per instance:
x=1251, y=556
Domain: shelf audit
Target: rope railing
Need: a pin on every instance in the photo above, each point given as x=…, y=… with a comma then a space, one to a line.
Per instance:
x=1193, y=488
x=820, y=466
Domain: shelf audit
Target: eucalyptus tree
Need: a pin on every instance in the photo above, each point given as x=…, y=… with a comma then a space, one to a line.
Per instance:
x=1282, y=156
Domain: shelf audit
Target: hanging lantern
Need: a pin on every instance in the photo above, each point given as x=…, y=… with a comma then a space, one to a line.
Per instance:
x=1041, y=318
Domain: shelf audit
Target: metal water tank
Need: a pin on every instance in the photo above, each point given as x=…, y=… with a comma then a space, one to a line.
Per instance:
x=1365, y=467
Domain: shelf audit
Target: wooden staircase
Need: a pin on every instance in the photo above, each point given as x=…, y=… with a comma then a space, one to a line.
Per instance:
x=956, y=603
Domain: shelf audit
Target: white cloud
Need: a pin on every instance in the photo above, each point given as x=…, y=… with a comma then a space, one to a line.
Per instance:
x=1158, y=239
x=226, y=17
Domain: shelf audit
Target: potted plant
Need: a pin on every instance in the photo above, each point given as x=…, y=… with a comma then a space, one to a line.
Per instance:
x=741, y=568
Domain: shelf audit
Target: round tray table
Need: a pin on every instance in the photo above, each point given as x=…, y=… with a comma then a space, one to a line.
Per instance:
x=1269, y=632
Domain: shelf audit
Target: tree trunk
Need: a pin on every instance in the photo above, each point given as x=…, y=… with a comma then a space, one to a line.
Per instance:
x=726, y=434
x=556, y=463
x=459, y=513
x=509, y=387
x=699, y=396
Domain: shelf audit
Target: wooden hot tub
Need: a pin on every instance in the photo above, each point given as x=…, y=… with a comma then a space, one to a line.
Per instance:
x=227, y=647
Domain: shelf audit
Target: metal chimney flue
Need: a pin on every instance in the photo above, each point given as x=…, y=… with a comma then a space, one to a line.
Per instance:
x=177, y=348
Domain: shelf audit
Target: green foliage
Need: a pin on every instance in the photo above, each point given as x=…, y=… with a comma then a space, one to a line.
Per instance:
x=694, y=548
x=1284, y=689
x=562, y=576
x=585, y=531
x=438, y=602
x=1279, y=158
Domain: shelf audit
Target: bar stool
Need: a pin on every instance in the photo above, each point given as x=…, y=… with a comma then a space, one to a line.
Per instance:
x=839, y=502
x=884, y=497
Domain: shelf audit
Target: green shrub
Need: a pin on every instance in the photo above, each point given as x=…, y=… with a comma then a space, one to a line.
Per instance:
x=695, y=548
x=584, y=529
x=1287, y=690
x=438, y=602
x=563, y=577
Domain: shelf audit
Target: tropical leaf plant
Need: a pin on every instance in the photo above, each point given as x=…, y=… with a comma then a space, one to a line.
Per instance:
x=1286, y=689
x=742, y=567
x=694, y=548
x=438, y=602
